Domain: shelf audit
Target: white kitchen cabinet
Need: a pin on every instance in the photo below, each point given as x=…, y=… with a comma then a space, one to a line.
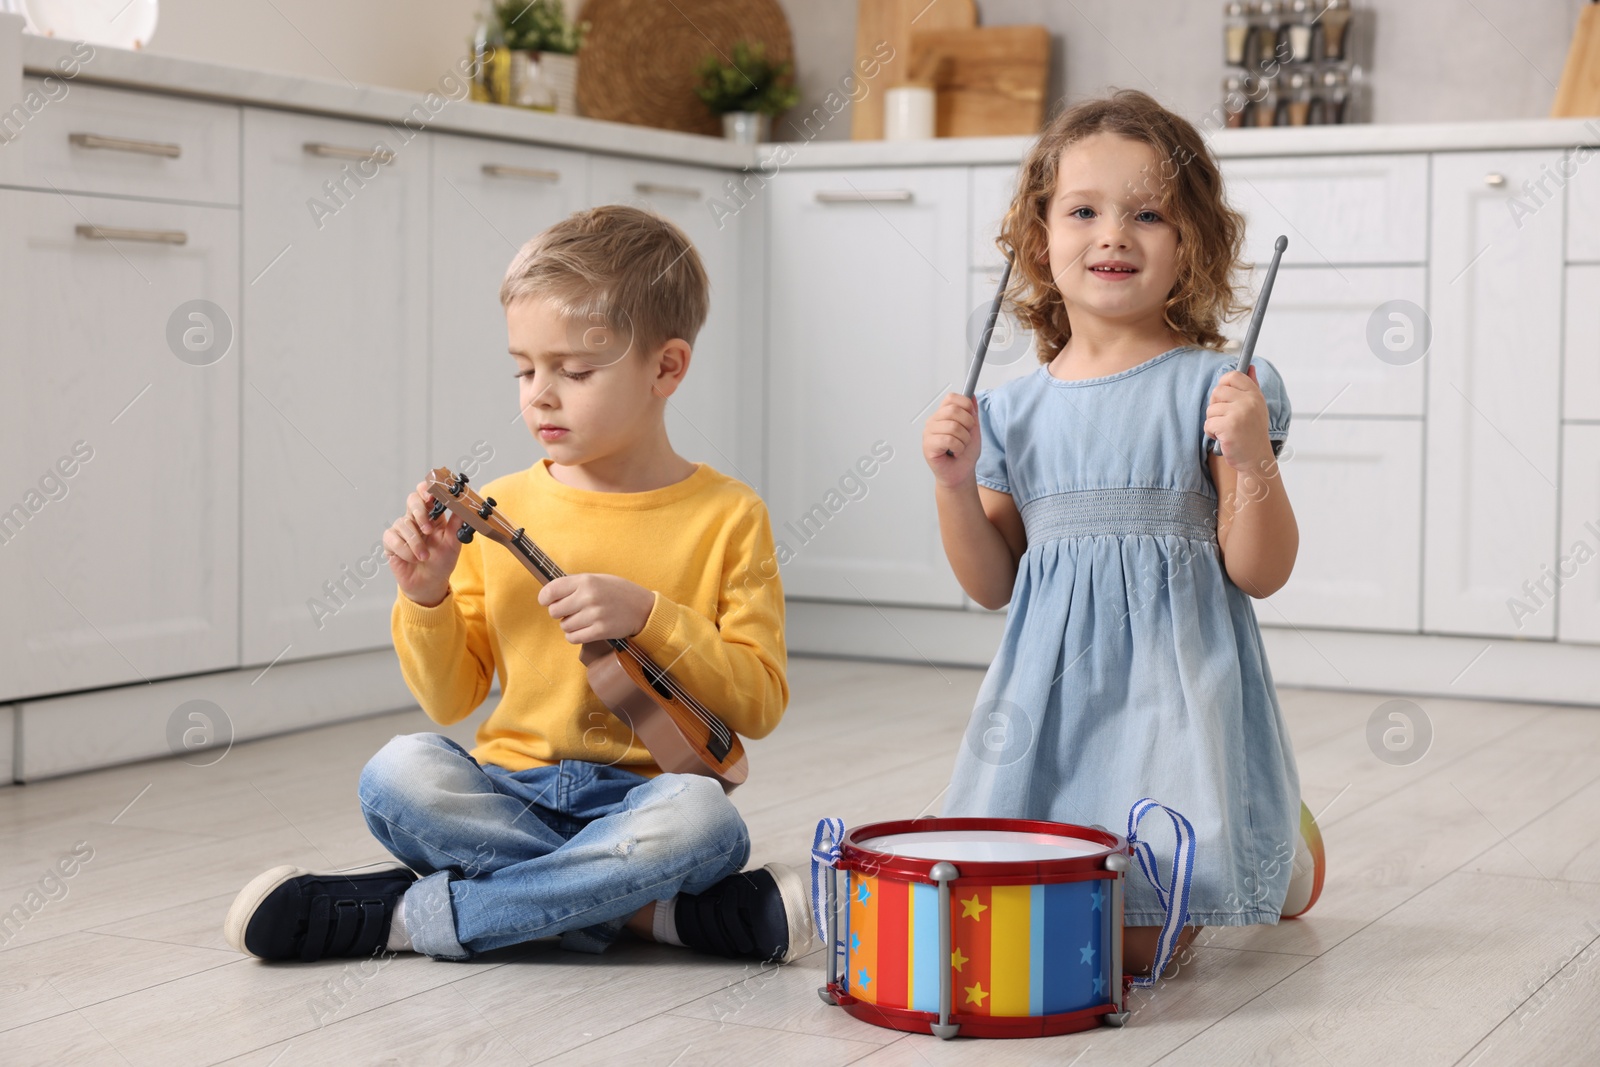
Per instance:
x=119, y=142
x=1583, y=207
x=119, y=534
x=1493, y=393
x=1580, y=390
x=1576, y=569
x=992, y=190
x=1334, y=209
x=1356, y=489
x=867, y=304
x=1315, y=333
x=335, y=390
x=489, y=198
x=710, y=418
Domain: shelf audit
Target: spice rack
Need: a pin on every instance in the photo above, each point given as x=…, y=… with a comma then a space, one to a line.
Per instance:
x=1295, y=63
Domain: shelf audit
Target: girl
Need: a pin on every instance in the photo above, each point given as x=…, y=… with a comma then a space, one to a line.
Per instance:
x=1084, y=496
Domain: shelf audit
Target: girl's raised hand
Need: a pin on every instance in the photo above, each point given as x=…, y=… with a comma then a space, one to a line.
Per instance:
x=1237, y=418
x=954, y=427
x=422, y=551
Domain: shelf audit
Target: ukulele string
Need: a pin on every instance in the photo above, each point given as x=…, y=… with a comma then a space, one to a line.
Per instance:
x=704, y=714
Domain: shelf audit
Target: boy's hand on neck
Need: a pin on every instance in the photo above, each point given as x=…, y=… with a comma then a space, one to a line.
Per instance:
x=597, y=607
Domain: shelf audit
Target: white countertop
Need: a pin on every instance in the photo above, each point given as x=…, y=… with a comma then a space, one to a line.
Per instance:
x=195, y=78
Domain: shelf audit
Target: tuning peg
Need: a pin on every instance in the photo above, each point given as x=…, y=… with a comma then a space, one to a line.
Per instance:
x=459, y=484
x=464, y=535
x=487, y=509
x=437, y=509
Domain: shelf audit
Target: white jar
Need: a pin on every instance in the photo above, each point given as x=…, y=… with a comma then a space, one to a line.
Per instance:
x=908, y=112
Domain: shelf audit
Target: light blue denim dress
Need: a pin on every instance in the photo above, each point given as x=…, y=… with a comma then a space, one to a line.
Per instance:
x=1131, y=665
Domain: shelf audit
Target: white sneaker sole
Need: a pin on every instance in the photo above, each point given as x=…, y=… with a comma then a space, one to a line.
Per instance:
x=796, y=898
x=249, y=899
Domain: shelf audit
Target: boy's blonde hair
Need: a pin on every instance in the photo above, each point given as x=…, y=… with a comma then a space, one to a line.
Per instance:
x=1189, y=185
x=619, y=267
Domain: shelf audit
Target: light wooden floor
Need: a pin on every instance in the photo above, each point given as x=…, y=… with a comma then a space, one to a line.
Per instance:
x=1459, y=921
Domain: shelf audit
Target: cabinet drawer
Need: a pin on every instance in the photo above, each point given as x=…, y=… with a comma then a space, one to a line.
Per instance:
x=1356, y=489
x=1315, y=332
x=120, y=142
x=1583, y=210
x=1581, y=351
x=1334, y=209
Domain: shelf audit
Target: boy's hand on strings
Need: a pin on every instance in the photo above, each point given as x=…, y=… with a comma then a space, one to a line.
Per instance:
x=422, y=551
x=1237, y=418
x=954, y=427
x=597, y=607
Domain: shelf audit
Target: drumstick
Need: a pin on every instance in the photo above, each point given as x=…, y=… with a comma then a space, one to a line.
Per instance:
x=983, y=342
x=1255, y=323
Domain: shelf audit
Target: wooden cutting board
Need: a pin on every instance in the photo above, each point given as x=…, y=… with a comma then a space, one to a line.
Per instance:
x=1579, y=93
x=992, y=79
x=878, y=21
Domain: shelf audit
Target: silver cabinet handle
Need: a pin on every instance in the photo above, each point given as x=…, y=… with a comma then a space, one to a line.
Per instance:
x=646, y=188
x=856, y=196
x=535, y=174
x=338, y=151
x=118, y=233
x=1494, y=181
x=125, y=144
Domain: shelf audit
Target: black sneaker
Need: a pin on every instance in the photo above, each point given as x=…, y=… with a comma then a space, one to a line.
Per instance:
x=291, y=913
x=762, y=914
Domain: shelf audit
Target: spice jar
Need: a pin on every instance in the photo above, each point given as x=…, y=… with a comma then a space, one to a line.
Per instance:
x=1335, y=20
x=1236, y=29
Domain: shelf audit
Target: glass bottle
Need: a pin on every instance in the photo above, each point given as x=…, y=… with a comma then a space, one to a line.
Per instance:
x=1266, y=109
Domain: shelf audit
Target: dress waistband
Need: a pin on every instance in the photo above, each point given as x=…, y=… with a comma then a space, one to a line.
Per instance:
x=1128, y=511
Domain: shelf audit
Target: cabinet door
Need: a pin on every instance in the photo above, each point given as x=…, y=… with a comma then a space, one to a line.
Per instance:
x=1577, y=567
x=1316, y=332
x=489, y=198
x=118, y=556
x=1493, y=397
x=712, y=417
x=1356, y=489
x=866, y=310
x=335, y=414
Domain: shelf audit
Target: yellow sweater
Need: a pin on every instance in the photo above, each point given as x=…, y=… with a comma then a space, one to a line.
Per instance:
x=703, y=545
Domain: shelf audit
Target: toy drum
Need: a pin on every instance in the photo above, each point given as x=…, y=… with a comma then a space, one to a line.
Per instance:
x=983, y=927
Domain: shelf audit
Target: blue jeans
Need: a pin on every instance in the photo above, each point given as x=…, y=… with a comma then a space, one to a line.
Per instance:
x=509, y=856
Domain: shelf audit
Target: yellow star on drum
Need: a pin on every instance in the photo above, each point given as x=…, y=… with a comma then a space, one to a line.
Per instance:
x=957, y=959
x=975, y=994
x=973, y=908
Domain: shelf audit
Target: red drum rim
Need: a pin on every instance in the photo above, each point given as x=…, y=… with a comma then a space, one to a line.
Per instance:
x=854, y=856
x=919, y=1022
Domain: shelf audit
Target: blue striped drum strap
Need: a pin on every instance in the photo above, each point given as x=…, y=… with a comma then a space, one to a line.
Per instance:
x=1174, y=896
x=1132, y=510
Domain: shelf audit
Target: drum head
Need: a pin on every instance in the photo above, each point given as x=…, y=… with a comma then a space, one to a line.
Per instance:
x=983, y=846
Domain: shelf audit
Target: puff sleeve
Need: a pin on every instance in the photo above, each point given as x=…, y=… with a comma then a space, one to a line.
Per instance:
x=1272, y=390
x=991, y=468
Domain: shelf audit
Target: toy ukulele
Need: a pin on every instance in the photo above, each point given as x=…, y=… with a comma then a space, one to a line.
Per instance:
x=683, y=736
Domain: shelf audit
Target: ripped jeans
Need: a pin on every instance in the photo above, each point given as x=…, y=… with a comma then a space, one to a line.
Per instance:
x=509, y=856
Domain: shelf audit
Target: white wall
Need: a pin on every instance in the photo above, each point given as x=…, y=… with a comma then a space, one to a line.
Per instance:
x=1435, y=60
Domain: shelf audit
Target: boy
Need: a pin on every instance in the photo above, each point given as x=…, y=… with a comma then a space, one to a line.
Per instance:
x=559, y=822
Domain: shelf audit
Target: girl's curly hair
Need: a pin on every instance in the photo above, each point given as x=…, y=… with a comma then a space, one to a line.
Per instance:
x=1189, y=185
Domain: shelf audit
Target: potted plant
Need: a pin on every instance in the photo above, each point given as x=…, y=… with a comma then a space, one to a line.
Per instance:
x=748, y=92
x=547, y=42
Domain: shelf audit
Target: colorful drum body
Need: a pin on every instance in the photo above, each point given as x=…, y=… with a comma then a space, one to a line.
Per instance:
x=986, y=927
